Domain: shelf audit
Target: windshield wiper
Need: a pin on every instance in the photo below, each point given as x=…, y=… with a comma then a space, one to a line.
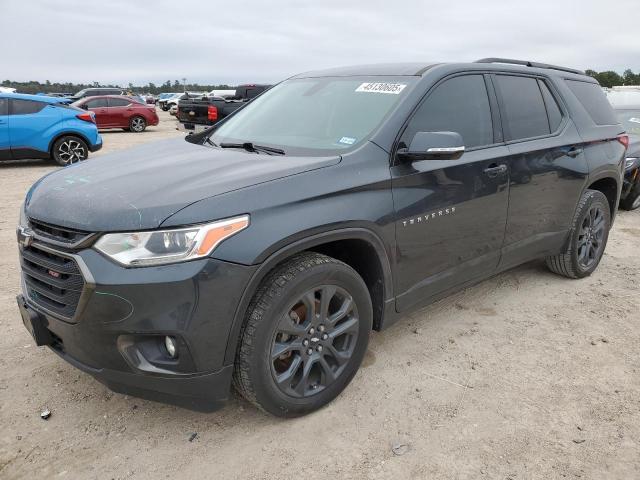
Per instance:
x=250, y=147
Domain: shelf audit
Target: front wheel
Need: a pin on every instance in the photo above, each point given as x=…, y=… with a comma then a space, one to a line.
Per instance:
x=137, y=124
x=587, y=238
x=304, y=337
x=69, y=149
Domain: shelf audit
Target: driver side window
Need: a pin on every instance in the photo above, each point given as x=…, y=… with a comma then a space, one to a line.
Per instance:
x=461, y=105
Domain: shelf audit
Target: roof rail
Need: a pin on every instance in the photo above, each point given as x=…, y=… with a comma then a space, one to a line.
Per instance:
x=528, y=64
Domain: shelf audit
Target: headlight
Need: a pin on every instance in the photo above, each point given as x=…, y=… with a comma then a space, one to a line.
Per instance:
x=629, y=161
x=158, y=247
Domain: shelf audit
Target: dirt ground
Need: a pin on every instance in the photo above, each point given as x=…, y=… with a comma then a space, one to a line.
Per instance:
x=526, y=375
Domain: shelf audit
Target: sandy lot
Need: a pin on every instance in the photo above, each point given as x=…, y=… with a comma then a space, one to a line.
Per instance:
x=527, y=375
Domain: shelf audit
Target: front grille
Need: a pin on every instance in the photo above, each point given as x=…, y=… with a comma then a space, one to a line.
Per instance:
x=57, y=234
x=53, y=281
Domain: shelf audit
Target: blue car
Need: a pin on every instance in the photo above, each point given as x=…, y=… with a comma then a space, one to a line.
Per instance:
x=36, y=126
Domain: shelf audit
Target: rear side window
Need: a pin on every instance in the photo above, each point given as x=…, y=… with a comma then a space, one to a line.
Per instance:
x=594, y=101
x=460, y=105
x=119, y=102
x=25, y=107
x=524, y=110
x=97, y=103
x=553, y=110
x=4, y=106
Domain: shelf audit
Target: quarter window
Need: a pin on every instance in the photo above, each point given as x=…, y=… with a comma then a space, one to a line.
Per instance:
x=461, y=105
x=4, y=106
x=25, y=107
x=524, y=114
x=594, y=102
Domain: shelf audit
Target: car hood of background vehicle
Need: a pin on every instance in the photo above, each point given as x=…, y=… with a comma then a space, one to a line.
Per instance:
x=139, y=188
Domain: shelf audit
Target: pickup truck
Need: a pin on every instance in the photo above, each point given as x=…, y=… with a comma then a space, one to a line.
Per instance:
x=200, y=113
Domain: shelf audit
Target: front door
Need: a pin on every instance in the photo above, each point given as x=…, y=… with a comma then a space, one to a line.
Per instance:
x=100, y=109
x=5, y=146
x=450, y=214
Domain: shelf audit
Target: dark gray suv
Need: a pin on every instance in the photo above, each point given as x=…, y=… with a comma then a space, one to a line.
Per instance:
x=264, y=250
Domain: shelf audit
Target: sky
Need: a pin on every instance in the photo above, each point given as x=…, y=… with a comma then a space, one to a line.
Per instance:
x=240, y=41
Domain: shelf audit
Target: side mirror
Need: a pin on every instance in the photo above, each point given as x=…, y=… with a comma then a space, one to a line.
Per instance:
x=433, y=146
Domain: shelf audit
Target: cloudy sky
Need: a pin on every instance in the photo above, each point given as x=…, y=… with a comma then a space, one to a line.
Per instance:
x=120, y=41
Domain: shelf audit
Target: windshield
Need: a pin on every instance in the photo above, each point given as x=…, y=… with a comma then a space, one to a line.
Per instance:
x=630, y=120
x=315, y=116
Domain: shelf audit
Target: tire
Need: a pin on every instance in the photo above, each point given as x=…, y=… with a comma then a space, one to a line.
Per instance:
x=137, y=124
x=632, y=200
x=319, y=356
x=587, y=238
x=69, y=149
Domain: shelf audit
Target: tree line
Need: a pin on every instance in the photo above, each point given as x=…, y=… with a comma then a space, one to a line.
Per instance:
x=607, y=78
x=68, y=87
x=610, y=78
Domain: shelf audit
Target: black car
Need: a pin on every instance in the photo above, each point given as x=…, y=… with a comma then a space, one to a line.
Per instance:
x=629, y=117
x=264, y=251
x=98, y=91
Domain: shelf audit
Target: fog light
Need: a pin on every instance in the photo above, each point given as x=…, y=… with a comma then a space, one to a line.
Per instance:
x=170, y=345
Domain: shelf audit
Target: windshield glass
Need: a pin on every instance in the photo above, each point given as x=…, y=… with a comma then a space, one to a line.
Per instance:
x=315, y=116
x=630, y=120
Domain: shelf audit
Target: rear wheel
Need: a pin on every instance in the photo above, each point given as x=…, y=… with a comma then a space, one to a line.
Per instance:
x=69, y=149
x=632, y=200
x=304, y=337
x=137, y=124
x=587, y=240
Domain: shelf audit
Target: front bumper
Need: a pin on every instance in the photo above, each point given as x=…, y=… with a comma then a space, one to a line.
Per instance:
x=117, y=332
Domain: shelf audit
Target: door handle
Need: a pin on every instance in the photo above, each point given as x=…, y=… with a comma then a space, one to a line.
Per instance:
x=494, y=170
x=574, y=152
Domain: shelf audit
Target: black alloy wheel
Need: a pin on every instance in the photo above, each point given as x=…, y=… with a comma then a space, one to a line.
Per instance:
x=314, y=341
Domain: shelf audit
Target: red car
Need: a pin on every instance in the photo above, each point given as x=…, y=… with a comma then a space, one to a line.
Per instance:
x=118, y=111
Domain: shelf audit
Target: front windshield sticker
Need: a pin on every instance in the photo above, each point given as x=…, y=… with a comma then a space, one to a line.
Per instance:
x=392, y=88
x=347, y=140
x=634, y=120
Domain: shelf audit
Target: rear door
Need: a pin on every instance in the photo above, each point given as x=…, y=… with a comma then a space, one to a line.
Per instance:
x=5, y=146
x=99, y=106
x=451, y=214
x=546, y=163
x=120, y=110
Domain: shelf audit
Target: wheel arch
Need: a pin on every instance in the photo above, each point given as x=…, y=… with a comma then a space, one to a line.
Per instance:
x=65, y=133
x=610, y=187
x=352, y=246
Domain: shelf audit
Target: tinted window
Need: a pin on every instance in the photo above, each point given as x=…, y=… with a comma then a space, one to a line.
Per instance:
x=24, y=107
x=553, y=110
x=4, y=106
x=594, y=102
x=524, y=114
x=119, y=102
x=457, y=105
x=97, y=103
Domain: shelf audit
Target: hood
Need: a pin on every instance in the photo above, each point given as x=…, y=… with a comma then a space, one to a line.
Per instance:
x=137, y=189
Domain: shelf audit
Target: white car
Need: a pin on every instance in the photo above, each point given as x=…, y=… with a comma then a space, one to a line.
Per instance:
x=7, y=90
